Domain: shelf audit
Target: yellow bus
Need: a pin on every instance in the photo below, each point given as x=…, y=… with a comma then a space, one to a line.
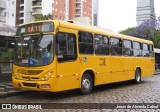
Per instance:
x=57, y=55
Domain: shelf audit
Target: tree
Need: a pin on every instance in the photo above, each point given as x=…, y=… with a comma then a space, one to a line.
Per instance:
x=127, y=31
x=39, y=17
x=150, y=30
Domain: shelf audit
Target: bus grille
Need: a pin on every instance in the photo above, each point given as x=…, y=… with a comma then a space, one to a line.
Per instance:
x=31, y=78
x=30, y=72
x=29, y=84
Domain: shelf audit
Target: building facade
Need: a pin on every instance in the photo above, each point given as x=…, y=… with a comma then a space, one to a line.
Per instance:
x=2, y=9
x=23, y=11
x=26, y=10
x=67, y=10
x=80, y=10
x=145, y=10
x=36, y=8
x=41, y=7
x=59, y=9
x=8, y=11
x=56, y=8
x=95, y=12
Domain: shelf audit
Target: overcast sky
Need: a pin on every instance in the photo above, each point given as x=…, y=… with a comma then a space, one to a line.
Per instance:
x=118, y=15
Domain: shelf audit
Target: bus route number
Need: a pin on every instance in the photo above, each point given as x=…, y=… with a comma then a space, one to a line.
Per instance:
x=102, y=62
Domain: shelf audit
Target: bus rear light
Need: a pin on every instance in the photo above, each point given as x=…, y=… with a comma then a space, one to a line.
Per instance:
x=45, y=86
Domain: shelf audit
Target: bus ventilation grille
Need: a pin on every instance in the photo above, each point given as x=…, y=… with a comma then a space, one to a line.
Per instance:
x=29, y=84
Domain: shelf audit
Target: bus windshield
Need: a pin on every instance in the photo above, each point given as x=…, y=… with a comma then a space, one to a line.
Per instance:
x=34, y=50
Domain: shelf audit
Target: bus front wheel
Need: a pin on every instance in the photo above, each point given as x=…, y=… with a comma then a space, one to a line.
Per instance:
x=137, y=76
x=86, y=84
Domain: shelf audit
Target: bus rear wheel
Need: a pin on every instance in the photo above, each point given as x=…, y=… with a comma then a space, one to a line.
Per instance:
x=137, y=76
x=86, y=84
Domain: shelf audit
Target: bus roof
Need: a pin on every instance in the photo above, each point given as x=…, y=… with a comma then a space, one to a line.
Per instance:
x=92, y=29
x=97, y=30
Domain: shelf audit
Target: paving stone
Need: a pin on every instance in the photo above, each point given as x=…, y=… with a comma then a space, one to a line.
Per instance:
x=1, y=89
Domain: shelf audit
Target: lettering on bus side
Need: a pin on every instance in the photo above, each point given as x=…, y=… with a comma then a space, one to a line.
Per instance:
x=102, y=62
x=80, y=59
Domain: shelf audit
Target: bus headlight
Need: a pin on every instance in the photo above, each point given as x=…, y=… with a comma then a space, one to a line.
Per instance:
x=47, y=75
x=14, y=74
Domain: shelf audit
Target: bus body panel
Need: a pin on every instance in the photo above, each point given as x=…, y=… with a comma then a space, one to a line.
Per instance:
x=129, y=72
x=68, y=70
x=102, y=70
x=100, y=65
x=147, y=67
x=68, y=74
x=117, y=69
x=52, y=82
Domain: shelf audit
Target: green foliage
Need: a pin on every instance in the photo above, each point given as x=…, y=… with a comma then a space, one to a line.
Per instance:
x=156, y=38
x=39, y=17
x=127, y=31
x=150, y=30
x=6, y=56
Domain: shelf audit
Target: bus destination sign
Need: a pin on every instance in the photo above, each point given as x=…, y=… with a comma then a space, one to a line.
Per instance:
x=35, y=28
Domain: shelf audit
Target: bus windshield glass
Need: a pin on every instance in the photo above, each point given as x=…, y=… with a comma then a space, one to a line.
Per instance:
x=34, y=50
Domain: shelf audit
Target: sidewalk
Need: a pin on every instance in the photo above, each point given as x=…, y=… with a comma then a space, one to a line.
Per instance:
x=157, y=72
x=6, y=90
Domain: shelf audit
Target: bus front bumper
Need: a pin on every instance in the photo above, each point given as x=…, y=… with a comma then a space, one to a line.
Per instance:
x=49, y=85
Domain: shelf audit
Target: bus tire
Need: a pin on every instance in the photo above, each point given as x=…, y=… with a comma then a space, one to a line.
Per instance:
x=86, y=84
x=137, y=76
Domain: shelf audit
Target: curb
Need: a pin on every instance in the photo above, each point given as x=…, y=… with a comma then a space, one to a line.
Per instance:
x=156, y=73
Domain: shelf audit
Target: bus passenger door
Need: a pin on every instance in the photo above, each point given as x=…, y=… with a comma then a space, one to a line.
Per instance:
x=116, y=60
x=129, y=72
x=102, y=59
x=67, y=69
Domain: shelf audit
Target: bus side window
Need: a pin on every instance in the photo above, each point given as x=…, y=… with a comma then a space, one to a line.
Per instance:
x=145, y=50
x=127, y=48
x=85, y=43
x=116, y=46
x=66, y=46
x=151, y=53
x=113, y=52
x=101, y=45
x=137, y=49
